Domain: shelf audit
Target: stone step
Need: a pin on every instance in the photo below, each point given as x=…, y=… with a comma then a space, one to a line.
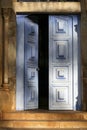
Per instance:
x=44, y=120
x=45, y=115
x=43, y=129
x=43, y=124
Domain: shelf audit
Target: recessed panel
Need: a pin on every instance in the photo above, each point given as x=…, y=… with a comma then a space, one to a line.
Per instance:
x=60, y=51
x=31, y=56
x=61, y=95
x=31, y=74
x=31, y=97
x=31, y=37
x=61, y=26
x=32, y=53
x=60, y=74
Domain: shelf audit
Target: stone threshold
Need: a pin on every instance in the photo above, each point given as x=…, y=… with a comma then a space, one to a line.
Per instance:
x=34, y=119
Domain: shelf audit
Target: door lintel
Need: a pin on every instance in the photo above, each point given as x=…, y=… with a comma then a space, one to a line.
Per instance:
x=46, y=7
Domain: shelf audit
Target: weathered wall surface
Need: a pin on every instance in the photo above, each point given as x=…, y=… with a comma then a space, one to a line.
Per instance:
x=8, y=117
x=7, y=96
x=84, y=52
x=7, y=90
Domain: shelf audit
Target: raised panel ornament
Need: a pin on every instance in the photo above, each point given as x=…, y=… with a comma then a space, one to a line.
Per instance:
x=60, y=51
x=61, y=25
x=60, y=74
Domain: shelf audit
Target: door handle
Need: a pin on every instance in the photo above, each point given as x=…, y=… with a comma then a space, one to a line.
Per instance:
x=37, y=69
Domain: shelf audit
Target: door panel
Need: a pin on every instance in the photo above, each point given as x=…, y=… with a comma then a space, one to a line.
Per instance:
x=61, y=62
x=27, y=64
x=64, y=79
x=31, y=64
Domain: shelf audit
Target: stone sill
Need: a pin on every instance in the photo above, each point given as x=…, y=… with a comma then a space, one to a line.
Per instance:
x=44, y=119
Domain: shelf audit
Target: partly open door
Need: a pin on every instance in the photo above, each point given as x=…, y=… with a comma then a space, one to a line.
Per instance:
x=31, y=64
x=26, y=63
x=63, y=63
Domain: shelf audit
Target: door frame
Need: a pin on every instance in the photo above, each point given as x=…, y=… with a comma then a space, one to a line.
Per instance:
x=78, y=107
x=45, y=7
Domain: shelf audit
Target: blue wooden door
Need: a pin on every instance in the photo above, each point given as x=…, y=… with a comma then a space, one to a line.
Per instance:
x=30, y=64
x=63, y=62
x=26, y=64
